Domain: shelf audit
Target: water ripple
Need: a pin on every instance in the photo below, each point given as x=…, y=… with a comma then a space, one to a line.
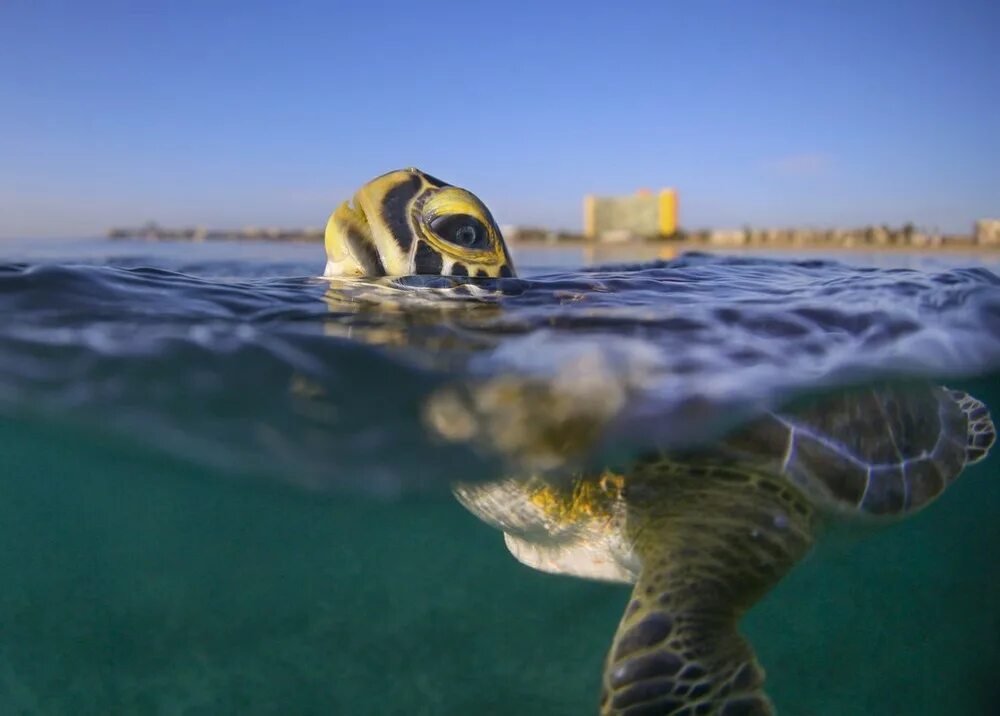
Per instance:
x=322, y=381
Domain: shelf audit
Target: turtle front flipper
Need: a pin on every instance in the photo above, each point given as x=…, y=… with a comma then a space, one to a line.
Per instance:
x=712, y=540
x=980, y=433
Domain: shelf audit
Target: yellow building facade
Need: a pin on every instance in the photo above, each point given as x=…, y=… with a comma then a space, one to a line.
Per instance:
x=644, y=214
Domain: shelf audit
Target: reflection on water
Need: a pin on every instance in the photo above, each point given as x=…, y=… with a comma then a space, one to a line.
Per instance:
x=160, y=555
x=541, y=258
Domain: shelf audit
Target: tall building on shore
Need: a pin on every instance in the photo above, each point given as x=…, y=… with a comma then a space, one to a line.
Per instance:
x=643, y=214
x=987, y=232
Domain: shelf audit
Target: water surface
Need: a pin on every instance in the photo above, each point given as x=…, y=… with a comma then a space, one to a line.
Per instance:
x=221, y=494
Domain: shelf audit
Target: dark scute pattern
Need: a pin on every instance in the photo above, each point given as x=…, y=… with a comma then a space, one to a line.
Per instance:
x=981, y=441
x=844, y=477
x=699, y=690
x=886, y=493
x=912, y=417
x=979, y=413
x=924, y=482
x=981, y=433
x=427, y=260
x=480, y=273
x=692, y=672
x=838, y=436
x=364, y=251
x=855, y=422
x=458, y=269
x=658, y=708
x=395, y=209
x=643, y=691
x=435, y=182
x=974, y=454
x=954, y=423
x=505, y=271
x=651, y=630
x=950, y=458
x=646, y=667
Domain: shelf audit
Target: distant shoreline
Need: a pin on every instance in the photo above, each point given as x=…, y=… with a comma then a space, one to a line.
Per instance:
x=556, y=240
x=680, y=246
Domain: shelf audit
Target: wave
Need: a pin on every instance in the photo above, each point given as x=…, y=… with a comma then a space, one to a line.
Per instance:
x=329, y=384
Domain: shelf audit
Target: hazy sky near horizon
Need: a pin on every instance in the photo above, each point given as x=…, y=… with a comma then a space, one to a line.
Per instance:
x=250, y=113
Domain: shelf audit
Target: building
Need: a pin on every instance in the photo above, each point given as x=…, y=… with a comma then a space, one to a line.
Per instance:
x=987, y=232
x=642, y=215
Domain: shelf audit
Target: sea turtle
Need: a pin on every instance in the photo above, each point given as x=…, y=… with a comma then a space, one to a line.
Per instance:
x=407, y=222
x=704, y=533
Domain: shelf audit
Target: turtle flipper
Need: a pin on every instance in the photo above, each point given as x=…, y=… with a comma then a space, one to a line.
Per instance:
x=981, y=432
x=667, y=658
x=712, y=541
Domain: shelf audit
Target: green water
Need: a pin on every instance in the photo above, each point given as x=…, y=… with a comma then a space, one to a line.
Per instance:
x=133, y=584
x=902, y=619
x=138, y=586
x=137, y=579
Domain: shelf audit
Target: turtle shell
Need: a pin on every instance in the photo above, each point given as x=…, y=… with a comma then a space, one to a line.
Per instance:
x=887, y=450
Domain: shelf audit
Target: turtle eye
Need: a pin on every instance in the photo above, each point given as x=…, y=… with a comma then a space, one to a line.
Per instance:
x=462, y=230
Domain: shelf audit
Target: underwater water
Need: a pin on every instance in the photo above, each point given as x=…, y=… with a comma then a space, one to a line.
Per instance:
x=224, y=487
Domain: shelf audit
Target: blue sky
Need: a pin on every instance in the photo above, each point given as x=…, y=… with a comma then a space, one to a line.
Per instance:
x=231, y=114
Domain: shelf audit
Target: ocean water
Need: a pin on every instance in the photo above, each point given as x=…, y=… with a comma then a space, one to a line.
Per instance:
x=222, y=488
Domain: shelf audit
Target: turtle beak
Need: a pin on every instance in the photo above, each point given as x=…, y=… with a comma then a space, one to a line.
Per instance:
x=350, y=248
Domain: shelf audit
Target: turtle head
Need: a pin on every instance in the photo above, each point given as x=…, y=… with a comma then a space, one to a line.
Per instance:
x=407, y=222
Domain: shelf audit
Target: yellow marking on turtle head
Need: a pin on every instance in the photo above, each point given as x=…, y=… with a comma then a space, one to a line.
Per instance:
x=408, y=222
